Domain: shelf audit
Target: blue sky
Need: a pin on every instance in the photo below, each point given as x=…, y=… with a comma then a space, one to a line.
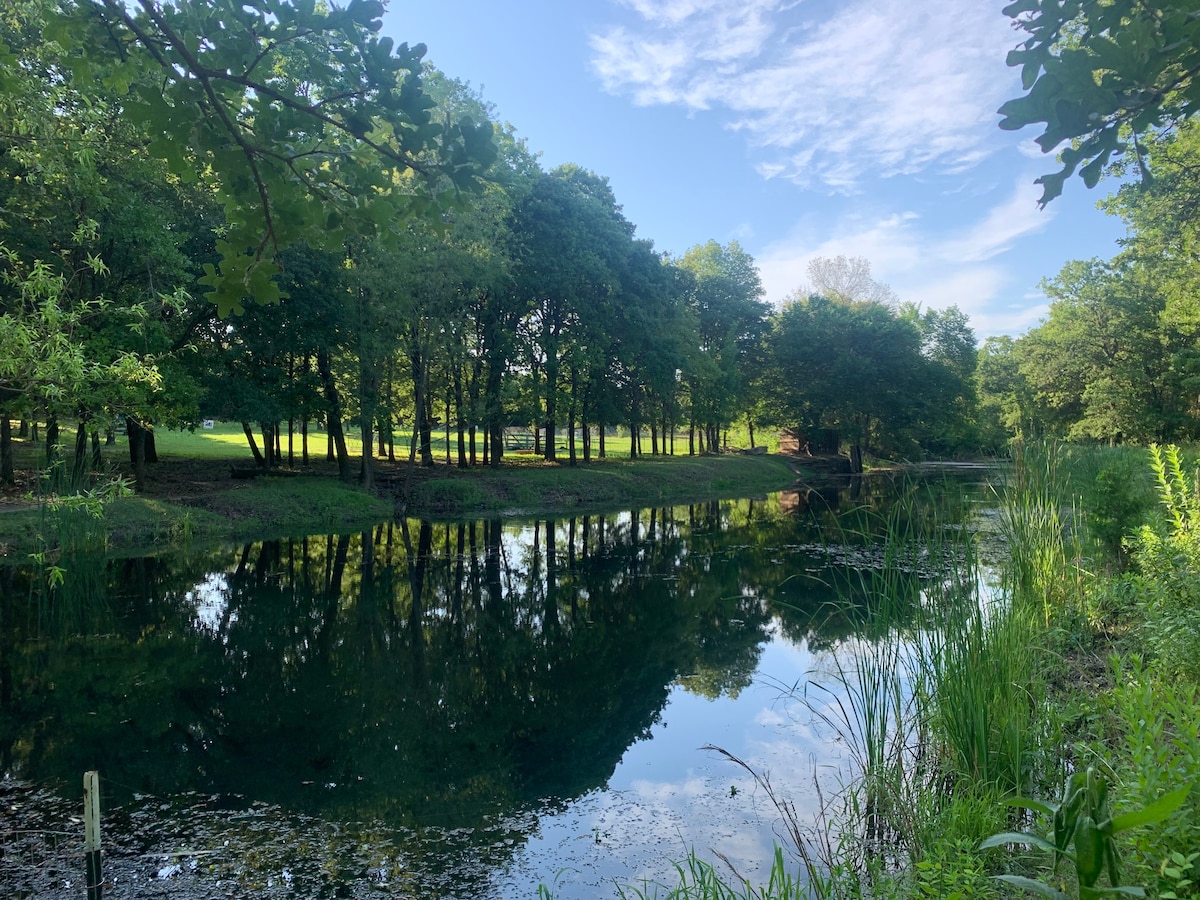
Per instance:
x=799, y=128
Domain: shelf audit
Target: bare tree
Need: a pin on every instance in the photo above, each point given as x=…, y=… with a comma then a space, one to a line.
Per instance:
x=847, y=278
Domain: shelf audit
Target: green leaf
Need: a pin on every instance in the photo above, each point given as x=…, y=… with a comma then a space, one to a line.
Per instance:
x=1155, y=812
x=1017, y=837
x=1028, y=884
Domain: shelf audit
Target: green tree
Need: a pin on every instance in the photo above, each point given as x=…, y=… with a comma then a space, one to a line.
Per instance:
x=947, y=414
x=573, y=241
x=725, y=297
x=853, y=367
x=311, y=126
x=1101, y=364
x=1102, y=76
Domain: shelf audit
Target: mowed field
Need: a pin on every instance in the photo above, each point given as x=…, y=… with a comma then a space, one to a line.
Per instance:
x=226, y=440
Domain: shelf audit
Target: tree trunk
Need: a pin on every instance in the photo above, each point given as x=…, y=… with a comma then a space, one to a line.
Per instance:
x=368, y=397
x=259, y=460
x=333, y=417
x=550, y=450
x=856, y=465
x=421, y=406
x=8, y=473
x=137, y=451
x=366, y=469
x=460, y=419
x=80, y=462
x=268, y=450
x=52, y=447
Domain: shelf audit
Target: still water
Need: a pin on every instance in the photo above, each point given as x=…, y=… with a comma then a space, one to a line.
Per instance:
x=464, y=709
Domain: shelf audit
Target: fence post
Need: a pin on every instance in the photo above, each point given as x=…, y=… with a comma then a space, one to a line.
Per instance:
x=91, y=833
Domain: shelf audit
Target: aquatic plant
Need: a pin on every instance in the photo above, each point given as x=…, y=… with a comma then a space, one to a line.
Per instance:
x=1084, y=833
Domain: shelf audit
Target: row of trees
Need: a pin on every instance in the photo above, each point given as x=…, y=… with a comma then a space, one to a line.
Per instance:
x=269, y=214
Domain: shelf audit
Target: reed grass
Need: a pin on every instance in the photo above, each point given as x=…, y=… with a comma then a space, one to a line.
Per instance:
x=1038, y=519
x=700, y=880
x=943, y=715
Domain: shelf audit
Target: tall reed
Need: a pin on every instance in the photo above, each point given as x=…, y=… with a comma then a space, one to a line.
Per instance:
x=941, y=710
x=1037, y=522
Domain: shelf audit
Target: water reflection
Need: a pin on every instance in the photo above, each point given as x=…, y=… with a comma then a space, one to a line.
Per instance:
x=431, y=689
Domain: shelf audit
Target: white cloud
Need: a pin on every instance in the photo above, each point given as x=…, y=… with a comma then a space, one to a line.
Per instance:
x=1002, y=226
x=825, y=92
x=965, y=268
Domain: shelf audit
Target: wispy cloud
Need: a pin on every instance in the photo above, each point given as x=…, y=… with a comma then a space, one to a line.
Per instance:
x=966, y=268
x=825, y=92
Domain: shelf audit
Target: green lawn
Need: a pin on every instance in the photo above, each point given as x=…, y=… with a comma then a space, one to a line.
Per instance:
x=227, y=441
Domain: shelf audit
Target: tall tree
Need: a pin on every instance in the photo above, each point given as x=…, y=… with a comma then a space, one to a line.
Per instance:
x=312, y=127
x=1102, y=363
x=726, y=298
x=856, y=368
x=573, y=238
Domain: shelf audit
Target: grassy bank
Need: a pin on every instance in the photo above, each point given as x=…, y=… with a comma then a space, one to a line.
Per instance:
x=195, y=498
x=530, y=487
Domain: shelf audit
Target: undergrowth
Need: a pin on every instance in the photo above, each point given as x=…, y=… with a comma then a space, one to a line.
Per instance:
x=1087, y=655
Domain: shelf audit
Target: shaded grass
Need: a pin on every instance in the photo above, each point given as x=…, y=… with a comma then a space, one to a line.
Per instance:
x=531, y=486
x=268, y=508
x=309, y=504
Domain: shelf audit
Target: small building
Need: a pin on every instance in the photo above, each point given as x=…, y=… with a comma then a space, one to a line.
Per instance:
x=792, y=442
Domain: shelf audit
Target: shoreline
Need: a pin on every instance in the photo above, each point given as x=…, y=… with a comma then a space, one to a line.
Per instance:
x=197, y=502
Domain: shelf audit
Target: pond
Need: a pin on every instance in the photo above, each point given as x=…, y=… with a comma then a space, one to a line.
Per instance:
x=464, y=709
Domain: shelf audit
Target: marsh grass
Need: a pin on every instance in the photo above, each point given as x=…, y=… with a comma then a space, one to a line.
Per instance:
x=941, y=712
x=700, y=880
x=1046, y=556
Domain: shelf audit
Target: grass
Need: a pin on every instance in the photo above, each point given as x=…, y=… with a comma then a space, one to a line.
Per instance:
x=532, y=487
x=225, y=440
x=197, y=501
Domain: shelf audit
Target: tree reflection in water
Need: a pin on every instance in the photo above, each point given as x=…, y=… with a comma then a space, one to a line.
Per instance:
x=428, y=679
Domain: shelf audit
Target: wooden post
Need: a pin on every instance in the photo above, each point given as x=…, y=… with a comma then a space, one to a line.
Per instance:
x=91, y=833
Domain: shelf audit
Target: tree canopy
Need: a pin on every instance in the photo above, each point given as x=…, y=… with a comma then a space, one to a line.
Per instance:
x=310, y=124
x=1102, y=77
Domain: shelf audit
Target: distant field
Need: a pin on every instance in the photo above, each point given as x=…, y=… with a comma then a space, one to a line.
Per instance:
x=227, y=441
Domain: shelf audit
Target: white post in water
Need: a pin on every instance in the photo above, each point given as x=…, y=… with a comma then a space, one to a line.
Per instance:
x=91, y=832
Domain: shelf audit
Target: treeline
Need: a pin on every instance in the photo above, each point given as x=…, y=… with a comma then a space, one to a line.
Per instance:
x=1117, y=358
x=272, y=242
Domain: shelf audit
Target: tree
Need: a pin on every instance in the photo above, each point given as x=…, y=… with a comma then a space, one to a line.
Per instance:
x=725, y=297
x=948, y=412
x=848, y=279
x=1103, y=76
x=83, y=201
x=1101, y=364
x=573, y=240
x=311, y=127
x=44, y=363
x=856, y=368
x=1007, y=403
